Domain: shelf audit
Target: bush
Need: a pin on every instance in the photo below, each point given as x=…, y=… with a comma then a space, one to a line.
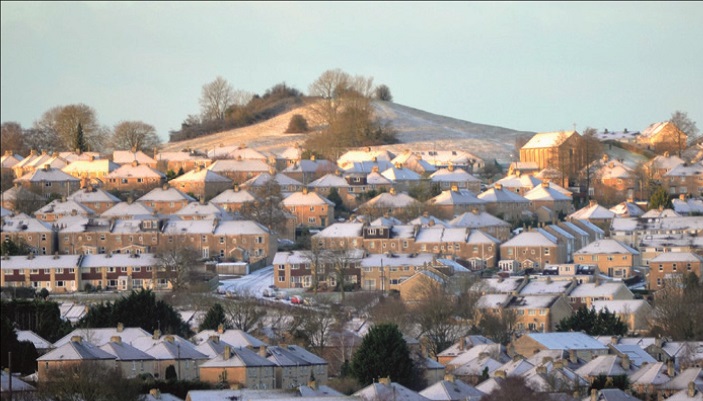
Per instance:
x=297, y=125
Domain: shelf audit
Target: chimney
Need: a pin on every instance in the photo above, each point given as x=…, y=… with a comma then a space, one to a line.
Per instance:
x=573, y=358
x=120, y=327
x=214, y=339
x=498, y=187
x=455, y=188
x=156, y=393
x=91, y=158
x=134, y=149
x=305, y=190
x=625, y=362
x=135, y=163
x=450, y=167
x=165, y=187
x=392, y=191
x=462, y=343
x=76, y=339
x=116, y=339
x=670, y=368
x=202, y=199
x=385, y=380
x=130, y=200
x=691, y=390
x=594, y=395
x=475, y=211
x=263, y=352
x=547, y=359
x=658, y=342
x=449, y=378
x=482, y=355
x=559, y=364
x=312, y=384
x=605, y=158
x=374, y=169
x=312, y=158
x=157, y=334
x=592, y=203
x=169, y=339
x=220, y=328
x=614, y=340
x=499, y=373
x=46, y=167
x=666, y=154
x=682, y=197
x=545, y=184
x=542, y=369
x=228, y=353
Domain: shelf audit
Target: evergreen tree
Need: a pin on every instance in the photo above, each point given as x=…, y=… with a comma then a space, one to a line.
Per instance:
x=214, y=318
x=383, y=353
x=660, y=198
x=79, y=139
x=593, y=323
x=139, y=309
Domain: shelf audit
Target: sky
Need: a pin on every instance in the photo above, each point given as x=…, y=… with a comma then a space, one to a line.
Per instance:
x=533, y=66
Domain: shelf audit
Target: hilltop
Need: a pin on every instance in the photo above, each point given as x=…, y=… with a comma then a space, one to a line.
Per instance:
x=416, y=129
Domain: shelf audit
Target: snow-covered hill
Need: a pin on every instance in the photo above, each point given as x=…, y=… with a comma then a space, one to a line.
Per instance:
x=416, y=129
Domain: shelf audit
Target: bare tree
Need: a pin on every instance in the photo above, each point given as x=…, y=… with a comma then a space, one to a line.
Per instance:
x=177, y=263
x=63, y=121
x=215, y=98
x=88, y=381
x=136, y=135
x=12, y=138
x=244, y=313
x=499, y=326
x=593, y=148
x=686, y=125
x=678, y=307
x=383, y=93
x=266, y=210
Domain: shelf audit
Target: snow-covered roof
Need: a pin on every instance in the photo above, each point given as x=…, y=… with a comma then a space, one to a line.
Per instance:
x=608, y=365
x=76, y=351
x=101, y=336
x=92, y=195
x=306, y=198
x=499, y=285
x=119, y=259
x=341, y=230
x=426, y=221
x=397, y=173
x=593, y=211
x=239, y=357
x=233, y=337
x=452, y=175
x=548, y=139
x=24, y=223
x=128, y=209
x=40, y=262
x=567, y=341
x=51, y=174
x=621, y=306
x=521, y=181
x=165, y=194
x=128, y=156
x=124, y=352
x=677, y=257
x=203, y=210
x=665, y=162
x=687, y=206
x=281, y=179
x=452, y=390
x=234, y=196
x=60, y=207
x=364, y=155
x=606, y=246
x=628, y=209
x=492, y=301
x=539, y=287
x=532, y=238
x=200, y=175
x=180, y=156
x=388, y=391
x=249, y=166
x=479, y=237
x=236, y=152
x=379, y=259
x=165, y=349
x=621, y=136
x=458, y=197
x=391, y=200
x=685, y=170
x=34, y=338
x=500, y=194
x=546, y=193
x=241, y=227
x=654, y=128
x=139, y=171
x=90, y=166
x=9, y=159
x=599, y=290
x=329, y=181
x=477, y=220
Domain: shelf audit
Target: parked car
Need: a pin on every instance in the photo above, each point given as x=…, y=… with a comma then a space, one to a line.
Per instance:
x=296, y=300
x=269, y=293
x=281, y=295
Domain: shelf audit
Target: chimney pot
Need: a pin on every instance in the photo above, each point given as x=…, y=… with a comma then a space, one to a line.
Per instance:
x=499, y=373
x=156, y=393
x=220, y=328
x=120, y=327
x=76, y=339
x=157, y=334
x=385, y=380
x=116, y=339
x=228, y=352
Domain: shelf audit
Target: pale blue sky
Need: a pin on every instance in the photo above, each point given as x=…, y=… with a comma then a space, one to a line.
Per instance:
x=526, y=66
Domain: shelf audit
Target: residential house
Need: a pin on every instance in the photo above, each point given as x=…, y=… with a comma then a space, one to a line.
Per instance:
x=232, y=200
x=91, y=169
x=385, y=389
x=368, y=154
x=534, y=249
x=39, y=236
x=403, y=179
x=298, y=269
x=634, y=313
x=483, y=221
x=123, y=272
x=201, y=182
x=324, y=185
x=562, y=150
x=451, y=389
x=124, y=157
x=613, y=258
x=671, y=264
x=307, y=171
x=396, y=203
x=662, y=164
x=166, y=200
x=505, y=204
x=44, y=160
x=594, y=213
x=451, y=176
x=687, y=206
x=310, y=208
x=295, y=366
x=18, y=198
x=545, y=196
x=173, y=351
x=57, y=274
x=606, y=365
x=242, y=367
x=96, y=199
x=685, y=179
x=455, y=201
x=59, y=208
x=519, y=182
x=578, y=345
x=456, y=158
x=239, y=170
x=134, y=178
x=585, y=294
x=239, y=152
x=48, y=181
x=70, y=354
x=202, y=211
x=185, y=160
x=340, y=236
x=663, y=137
x=131, y=361
x=627, y=209
x=287, y=184
x=414, y=162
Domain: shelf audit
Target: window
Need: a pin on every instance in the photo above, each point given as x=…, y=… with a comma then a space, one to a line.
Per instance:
x=123, y=180
x=281, y=279
x=203, y=238
x=673, y=266
x=311, y=220
x=312, y=208
x=661, y=268
x=47, y=184
x=123, y=269
x=47, y=271
x=59, y=271
x=222, y=240
x=136, y=269
x=59, y=283
x=34, y=271
x=149, y=268
x=110, y=269
x=43, y=237
x=546, y=251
